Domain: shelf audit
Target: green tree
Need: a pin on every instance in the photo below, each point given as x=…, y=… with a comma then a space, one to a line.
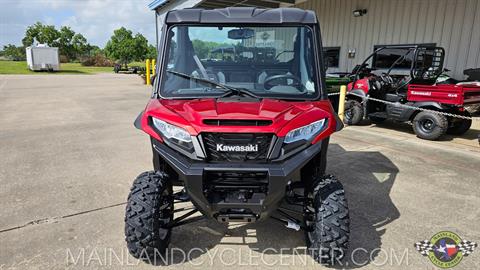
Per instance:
x=46, y=34
x=125, y=47
x=203, y=48
x=72, y=45
x=13, y=52
x=141, y=47
x=64, y=42
x=95, y=50
x=152, y=52
x=80, y=46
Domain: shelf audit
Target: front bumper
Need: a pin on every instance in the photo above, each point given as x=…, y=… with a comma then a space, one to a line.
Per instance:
x=192, y=173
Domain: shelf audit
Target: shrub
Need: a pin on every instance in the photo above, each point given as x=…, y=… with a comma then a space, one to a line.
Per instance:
x=87, y=61
x=63, y=58
x=97, y=60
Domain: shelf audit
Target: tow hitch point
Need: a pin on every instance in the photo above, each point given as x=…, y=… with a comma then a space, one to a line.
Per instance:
x=226, y=218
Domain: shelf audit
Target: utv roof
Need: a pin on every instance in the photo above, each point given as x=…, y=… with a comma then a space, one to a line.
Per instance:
x=234, y=15
x=408, y=46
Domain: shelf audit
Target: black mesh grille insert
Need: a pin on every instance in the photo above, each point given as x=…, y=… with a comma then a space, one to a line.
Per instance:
x=217, y=146
x=227, y=180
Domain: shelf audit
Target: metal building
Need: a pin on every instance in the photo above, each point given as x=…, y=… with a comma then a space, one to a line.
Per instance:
x=353, y=28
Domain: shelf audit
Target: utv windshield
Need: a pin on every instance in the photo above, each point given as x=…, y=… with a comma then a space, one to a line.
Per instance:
x=266, y=62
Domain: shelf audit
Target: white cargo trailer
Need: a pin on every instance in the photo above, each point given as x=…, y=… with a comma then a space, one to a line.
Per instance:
x=43, y=58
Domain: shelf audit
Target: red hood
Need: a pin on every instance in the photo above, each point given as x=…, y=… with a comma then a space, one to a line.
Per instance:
x=191, y=113
x=267, y=109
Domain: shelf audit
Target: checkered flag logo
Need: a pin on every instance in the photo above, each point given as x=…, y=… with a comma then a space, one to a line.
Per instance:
x=424, y=247
x=466, y=247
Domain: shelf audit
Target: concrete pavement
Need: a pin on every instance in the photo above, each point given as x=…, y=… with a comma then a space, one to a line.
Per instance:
x=69, y=152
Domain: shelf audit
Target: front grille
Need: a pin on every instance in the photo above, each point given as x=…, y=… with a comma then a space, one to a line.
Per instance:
x=230, y=122
x=261, y=140
x=236, y=180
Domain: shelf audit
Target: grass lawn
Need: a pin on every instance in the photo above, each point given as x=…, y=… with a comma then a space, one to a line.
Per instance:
x=20, y=67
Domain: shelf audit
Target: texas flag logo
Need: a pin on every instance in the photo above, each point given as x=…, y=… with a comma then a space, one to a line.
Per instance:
x=446, y=251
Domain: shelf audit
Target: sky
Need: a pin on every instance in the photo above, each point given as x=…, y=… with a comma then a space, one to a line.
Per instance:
x=95, y=19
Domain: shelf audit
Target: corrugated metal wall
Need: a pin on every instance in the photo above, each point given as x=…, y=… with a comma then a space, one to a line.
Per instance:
x=452, y=24
x=283, y=38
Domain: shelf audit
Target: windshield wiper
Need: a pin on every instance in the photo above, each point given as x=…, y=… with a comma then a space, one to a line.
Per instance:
x=229, y=90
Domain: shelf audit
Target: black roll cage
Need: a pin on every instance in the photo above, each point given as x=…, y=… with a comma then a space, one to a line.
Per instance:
x=409, y=48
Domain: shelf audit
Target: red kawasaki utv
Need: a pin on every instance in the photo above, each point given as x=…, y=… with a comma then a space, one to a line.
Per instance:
x=414, y=86
x=245, y=136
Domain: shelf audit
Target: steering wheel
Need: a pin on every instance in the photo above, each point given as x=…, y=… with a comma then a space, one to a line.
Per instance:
x=283, y=80
x=429, y=73
x=387, y=79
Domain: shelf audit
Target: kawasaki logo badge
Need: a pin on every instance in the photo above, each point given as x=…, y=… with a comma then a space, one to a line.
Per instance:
x=237, y=148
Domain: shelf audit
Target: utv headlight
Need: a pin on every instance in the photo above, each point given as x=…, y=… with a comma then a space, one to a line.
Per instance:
x=170, y=131
x=305, y=132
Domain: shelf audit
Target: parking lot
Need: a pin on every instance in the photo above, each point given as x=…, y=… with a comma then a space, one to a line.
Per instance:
x=69, y=153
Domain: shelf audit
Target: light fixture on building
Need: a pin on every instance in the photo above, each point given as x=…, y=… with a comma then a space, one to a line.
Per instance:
x=359, y=12
x=351, y=53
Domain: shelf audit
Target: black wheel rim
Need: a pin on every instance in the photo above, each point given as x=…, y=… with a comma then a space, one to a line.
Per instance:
x=348, y=114
x=427, y=125
x=348, y=111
